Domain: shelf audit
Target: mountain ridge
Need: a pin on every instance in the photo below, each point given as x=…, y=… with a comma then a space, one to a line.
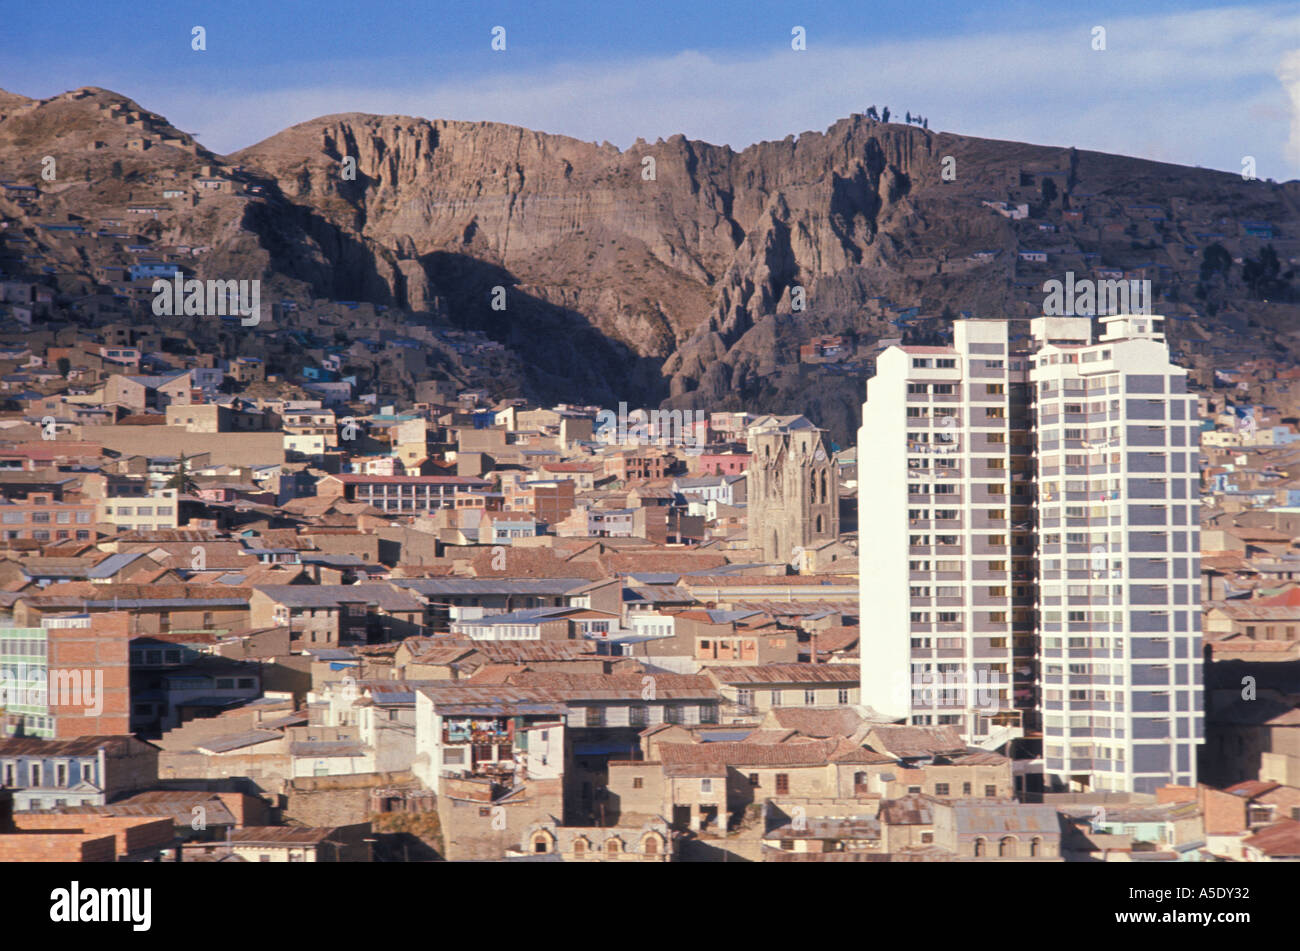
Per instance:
x=680, y=288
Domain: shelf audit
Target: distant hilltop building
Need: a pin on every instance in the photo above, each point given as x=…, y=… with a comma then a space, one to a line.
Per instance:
x=1031, y=548
x=794, y=497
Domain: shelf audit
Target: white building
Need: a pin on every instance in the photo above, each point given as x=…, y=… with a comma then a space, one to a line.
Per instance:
x=150, y=511
x=1047, y=502
x=1119, y=556
x=945, y=544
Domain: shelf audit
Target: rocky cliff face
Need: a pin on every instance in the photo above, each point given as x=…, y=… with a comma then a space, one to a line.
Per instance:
x=670, y=251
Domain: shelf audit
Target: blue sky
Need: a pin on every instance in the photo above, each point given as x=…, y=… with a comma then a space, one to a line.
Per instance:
x=1196, y=85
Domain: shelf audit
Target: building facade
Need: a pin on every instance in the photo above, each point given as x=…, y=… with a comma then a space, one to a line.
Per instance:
x=1045, y=492
x=794, y=497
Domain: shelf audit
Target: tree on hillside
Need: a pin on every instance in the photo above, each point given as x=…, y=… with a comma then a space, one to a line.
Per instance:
x=181, y=479
x=1215, y=260
x=1263, y=275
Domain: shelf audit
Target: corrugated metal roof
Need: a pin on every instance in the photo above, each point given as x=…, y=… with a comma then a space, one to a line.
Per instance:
x=486, y=586
x=235, y=741
x=332, y=595
x=1003, y=818
x=786, y=674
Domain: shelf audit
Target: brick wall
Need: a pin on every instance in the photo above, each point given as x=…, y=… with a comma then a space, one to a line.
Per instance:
x=625, y=798
x=129, y=834
x=468, y=832
x=93, y=652
x=337, y=800
x=57, y=848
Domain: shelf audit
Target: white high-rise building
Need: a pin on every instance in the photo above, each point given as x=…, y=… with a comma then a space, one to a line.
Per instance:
x=1029, y=554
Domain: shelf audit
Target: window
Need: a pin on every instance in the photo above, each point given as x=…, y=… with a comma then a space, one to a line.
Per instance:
x=913, y=790
x=753, y=780
x=965, y=789
x=842, y=695
x=706, y=785
x=810, y=697
x=927, y=838
x=941, y=789
x=776, y=698
x=595, y=716
x=782, y=784
x=638, y=782
x=990, y=792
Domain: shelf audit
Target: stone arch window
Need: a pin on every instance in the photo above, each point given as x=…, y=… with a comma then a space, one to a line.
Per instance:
x=541, y=842
x=812, y=486
x=823, y=485
x=980, y=847
x=1035, y=847
x=819, y=525
x=613, y=846
x=650, y=845
x=580, y=846
x=1007, y=846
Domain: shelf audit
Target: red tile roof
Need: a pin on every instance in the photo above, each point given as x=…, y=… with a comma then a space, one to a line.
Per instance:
x=1281, y=839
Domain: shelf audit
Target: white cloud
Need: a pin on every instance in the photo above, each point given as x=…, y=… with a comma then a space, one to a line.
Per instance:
x=1289, y=74
x=1188, y=88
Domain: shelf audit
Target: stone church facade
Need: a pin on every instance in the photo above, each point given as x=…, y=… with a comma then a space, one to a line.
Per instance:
x=794, y=497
